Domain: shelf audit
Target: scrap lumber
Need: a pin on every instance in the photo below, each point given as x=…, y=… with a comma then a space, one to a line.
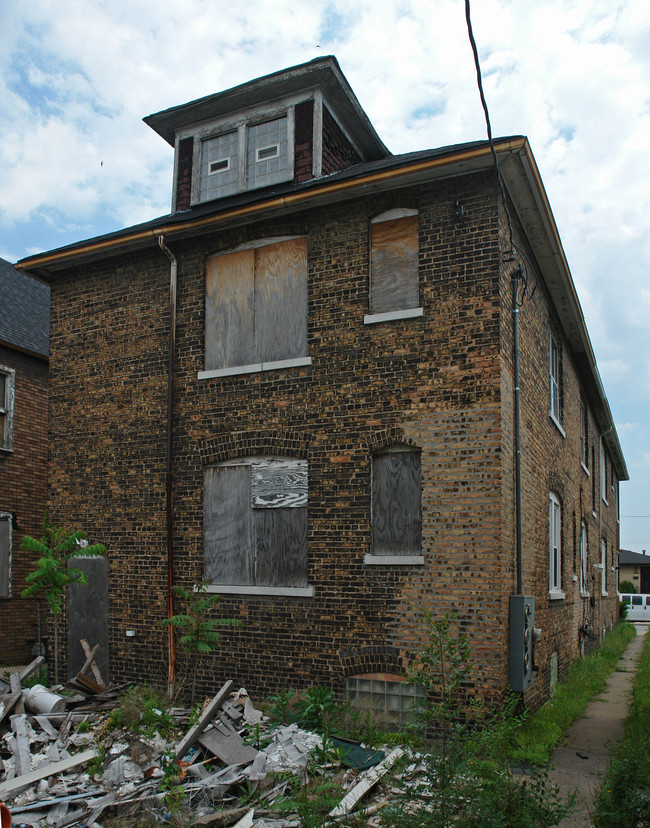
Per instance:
x=90, y=662
x=31, y=668
x=64, y=765
x=206, y=717
x=8, y=703
x=14, y=680
x=20, y=745
x=370, y=779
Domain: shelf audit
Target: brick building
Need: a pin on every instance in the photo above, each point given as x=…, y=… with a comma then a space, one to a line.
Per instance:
x=24, y=334
x=299, y=386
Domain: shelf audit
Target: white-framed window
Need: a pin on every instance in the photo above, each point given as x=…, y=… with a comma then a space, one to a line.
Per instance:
x=584, y=582
x=255, y=526
x=554, y=546
x=394, y=266
x=603, y=472
x=7, y=389
x=249, y=156
x=584, y=435
x=603, y=566
x=555, y=381
x=256, y=308
x=396, y=506
x=5, y=555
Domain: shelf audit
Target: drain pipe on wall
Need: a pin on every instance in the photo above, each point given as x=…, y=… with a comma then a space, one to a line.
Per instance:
x=515, y=335
x=169, y=508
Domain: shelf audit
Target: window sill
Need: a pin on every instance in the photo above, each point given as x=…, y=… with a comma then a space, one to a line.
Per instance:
x=556, y=423
x=584, y=594
x=556, y=595
x=584, y=469
x=5, y=450
x=393, y=560
x=604, y=594
x=235, y=589
x=254, y=368
x=389, y=316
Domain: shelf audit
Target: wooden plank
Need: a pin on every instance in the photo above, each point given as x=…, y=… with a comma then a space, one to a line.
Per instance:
x=278, y=483
x=20, y=745
x=16, y=688
x=227, y=546
x=369, y=780
x=396, y=503
x=48, y=770
x=90, y=662
x=8, y=704
x=31, y=668
x=209, y=713
x=229, y=310
x=5, y=544
x=229, y=747
x=394, y=279
x=280, y=547
x=281, y=300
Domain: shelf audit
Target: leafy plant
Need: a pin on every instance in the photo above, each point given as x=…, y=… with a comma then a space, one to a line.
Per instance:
x=200, y=632
x=173, y=792
x=51, y=573
x=144, y=710
x=314, y=707
x=627, y=588
x=281, y=706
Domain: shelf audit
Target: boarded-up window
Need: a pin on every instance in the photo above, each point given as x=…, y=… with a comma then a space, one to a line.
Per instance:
x=394, y=283
x=7, y=380
x=5, y=555
x=396, y=510
x=255, y=522
x=256, y=305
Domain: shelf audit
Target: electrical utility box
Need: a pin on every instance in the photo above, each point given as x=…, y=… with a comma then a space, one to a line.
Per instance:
x=522, y=641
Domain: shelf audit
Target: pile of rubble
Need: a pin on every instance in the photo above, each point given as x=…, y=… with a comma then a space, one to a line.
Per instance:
x=57, y=772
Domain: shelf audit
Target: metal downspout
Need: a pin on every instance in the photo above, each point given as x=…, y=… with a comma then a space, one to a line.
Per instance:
x=515, y=319
x=169, y=491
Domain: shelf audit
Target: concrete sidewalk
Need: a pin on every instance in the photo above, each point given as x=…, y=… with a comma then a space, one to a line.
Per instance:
x=579, y=761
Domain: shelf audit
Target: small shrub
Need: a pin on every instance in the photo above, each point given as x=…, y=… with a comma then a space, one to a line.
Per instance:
x=315, y=707
x=627, y=588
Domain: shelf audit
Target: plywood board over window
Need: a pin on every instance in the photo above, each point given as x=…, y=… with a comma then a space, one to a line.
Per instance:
x=5, y=555
x=394, y=261
x=256, y=305
x=396, y=503
x=255, y=522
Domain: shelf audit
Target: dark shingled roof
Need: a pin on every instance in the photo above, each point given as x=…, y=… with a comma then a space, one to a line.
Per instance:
x=24, y=311
x=636, y=558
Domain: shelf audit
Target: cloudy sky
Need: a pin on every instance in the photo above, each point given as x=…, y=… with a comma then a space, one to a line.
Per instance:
x=77, y=76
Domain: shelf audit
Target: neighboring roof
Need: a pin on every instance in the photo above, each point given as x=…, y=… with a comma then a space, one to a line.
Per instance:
x=522, y=182
x=635, y=558
x=24, y=311
x=324, y=73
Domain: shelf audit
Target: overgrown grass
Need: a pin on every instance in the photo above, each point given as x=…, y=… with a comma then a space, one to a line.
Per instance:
x=585, y=679
x=623, y=800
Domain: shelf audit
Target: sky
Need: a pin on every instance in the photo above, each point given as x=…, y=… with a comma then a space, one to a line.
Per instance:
x=76, y=160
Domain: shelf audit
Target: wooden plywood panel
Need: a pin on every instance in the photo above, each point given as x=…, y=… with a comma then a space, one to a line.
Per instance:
x=394, y=281
x=281, y=547
x=226, y=525
x=278, y=484
x=396, y=512
x=5, y=556
x=229, y=310
x=281, y=300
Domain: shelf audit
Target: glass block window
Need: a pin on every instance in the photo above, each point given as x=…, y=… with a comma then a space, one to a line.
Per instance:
x=391, y=700
x=267, y=153
x=218, y=166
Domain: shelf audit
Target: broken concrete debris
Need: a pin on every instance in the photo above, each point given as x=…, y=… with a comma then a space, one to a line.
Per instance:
x=63, y=764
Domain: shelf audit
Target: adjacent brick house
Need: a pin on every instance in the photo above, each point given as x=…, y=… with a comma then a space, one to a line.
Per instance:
x=300, y=387
x=24, y=335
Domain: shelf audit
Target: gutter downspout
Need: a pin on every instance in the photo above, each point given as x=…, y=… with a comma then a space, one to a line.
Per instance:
x=515, y=331
x=169, y=492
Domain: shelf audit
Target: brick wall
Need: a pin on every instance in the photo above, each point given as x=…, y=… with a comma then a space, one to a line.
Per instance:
x=438, y=382
x=338, y=152
x=23, y=493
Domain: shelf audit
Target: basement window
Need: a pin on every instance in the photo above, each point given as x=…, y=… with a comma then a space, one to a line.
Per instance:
x=387, y=697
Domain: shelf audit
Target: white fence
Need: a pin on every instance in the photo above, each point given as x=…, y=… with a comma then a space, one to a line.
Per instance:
x=638, y=606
